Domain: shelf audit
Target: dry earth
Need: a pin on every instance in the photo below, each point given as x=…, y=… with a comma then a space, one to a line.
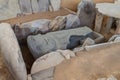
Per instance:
x=91, y=65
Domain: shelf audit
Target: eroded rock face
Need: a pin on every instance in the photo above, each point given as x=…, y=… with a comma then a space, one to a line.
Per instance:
x=8, y=9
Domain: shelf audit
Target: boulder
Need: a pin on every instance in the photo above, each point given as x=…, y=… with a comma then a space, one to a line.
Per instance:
x=86, y=13
x=11, y=52
x=42, y=44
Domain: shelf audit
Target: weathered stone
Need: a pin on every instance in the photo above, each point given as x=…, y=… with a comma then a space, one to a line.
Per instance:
x=25, y=6
x=86, y=13
x=43, y=5
x=8, y=9
x=43, y=44
x=72, y=21
x=109, y=9
x=47, y=61
x=44, y=75
x=58, y=23
x=55, y=4
x=35, y=6
x=98, y=22
x=11, y=52
x=33, y=27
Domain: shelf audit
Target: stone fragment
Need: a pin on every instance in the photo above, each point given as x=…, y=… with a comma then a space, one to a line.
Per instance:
x=88, y=41
x=58, y=23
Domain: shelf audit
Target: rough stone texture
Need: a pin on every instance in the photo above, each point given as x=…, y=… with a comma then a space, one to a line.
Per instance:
x=8, y=9
x=42, y=44
x=56, y=4
x=43, y=5
x=109, y=9
x=73, y=21
x=11, y=52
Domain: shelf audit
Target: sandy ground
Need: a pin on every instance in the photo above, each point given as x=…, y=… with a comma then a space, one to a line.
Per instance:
x=91, y=65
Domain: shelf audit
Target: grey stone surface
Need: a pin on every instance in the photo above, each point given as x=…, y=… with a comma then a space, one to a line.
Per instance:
x=11, y=52
x=9, y=9
x=44, y=75
x=35, y=6
x=55, y=4
x=34, y=27
x=86, y=13
x=109, y=9
x=72, y=21
x=25, y=6
x=43, y=5
x=47, y=61
x=42, y=44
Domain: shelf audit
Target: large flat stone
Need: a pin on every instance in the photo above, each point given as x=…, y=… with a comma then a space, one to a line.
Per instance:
x=109, y=9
